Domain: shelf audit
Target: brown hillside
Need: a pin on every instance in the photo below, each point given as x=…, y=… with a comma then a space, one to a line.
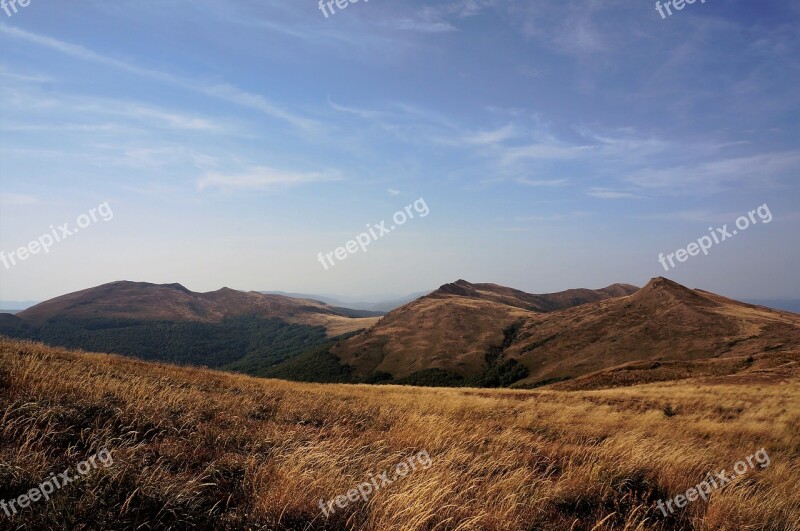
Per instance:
x=196, y=449
x=664, y=321
x=528, y=301
x=173, y=302
x=453, y=327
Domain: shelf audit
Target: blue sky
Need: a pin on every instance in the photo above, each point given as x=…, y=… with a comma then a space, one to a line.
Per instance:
x=557, y=144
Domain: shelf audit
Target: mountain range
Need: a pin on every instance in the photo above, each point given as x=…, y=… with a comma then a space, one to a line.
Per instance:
x=379, y=306
x=225, y=329
x=462, y=334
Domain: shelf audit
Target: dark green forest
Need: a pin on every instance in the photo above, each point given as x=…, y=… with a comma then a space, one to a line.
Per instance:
x=245, y=344
x=251, y=345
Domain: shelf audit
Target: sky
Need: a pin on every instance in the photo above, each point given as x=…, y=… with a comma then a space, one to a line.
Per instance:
x=554, y=144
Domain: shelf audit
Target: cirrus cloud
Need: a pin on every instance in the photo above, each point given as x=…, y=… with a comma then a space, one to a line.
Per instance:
x=263, y=178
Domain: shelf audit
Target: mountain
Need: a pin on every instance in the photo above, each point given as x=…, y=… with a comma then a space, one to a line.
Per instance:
x=538, y=303
x=663, y=322
x=489, y=335
x=173, y=302
x=228, y=329
x=454, y=328
x=380, y=307
x=16, y=306
x=462, y=334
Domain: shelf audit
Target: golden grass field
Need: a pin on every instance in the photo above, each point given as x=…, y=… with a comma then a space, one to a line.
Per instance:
x=207, y=450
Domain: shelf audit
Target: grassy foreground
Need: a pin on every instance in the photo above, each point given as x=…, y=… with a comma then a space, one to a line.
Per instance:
x=206, y=450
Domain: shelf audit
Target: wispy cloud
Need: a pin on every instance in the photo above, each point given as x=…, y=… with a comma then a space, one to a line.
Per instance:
x=457, y=9
x=223, y=92
x=440, y=18
x=491, y=137
x=580, y=36
x=71, y=127
x=80, y=52
x=718, y=175
x=367, y=114
x=257, y=102
x=170, y=118
x=89, y=107
x=18, y=200
x=262, y=178
x=422, y=26
x=694, y=216
x=542, y=182
x=159, y=157
x=545, y=151
x=33, y=78
x=606, y=193
x=554, y=217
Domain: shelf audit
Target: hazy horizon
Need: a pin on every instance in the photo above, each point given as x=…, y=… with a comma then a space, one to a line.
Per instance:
x=556, y=145
x=791, y=304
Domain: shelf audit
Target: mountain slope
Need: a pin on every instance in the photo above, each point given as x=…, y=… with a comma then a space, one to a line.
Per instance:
x=528, y=301
x=480, y=335
x=484, y=334
x=197, y=449
x=227, y=329
x=453, y=328
x=175, y=303
x=786, y=305
x=381, y=307
x=664, y=321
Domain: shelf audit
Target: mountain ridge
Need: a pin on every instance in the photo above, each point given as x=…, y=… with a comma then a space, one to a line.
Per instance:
x=174, y=302
x=463, y=333
x=452, y=328
x=463, y=330
x=223, y=329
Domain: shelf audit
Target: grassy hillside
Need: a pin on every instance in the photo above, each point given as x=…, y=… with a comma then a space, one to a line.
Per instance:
x=194, y=448
x=449, y=331
x=664, y=322
x=142, y=301
x=247, y=344
x=240, y=331
x=321, y=365
x=459, y=335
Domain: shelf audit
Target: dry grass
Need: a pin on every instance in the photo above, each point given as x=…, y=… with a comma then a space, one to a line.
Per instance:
x=335, y=325
x=450, y=333
x=199, y=449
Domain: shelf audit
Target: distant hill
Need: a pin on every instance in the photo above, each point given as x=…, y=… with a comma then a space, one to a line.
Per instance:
x=16, y=306
x=454, y=328
x=787, y=305
x=462, y=334
x=663, y=322
x=380, y=307
x=489, y=335
x=227, y=329
x=173, y=302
